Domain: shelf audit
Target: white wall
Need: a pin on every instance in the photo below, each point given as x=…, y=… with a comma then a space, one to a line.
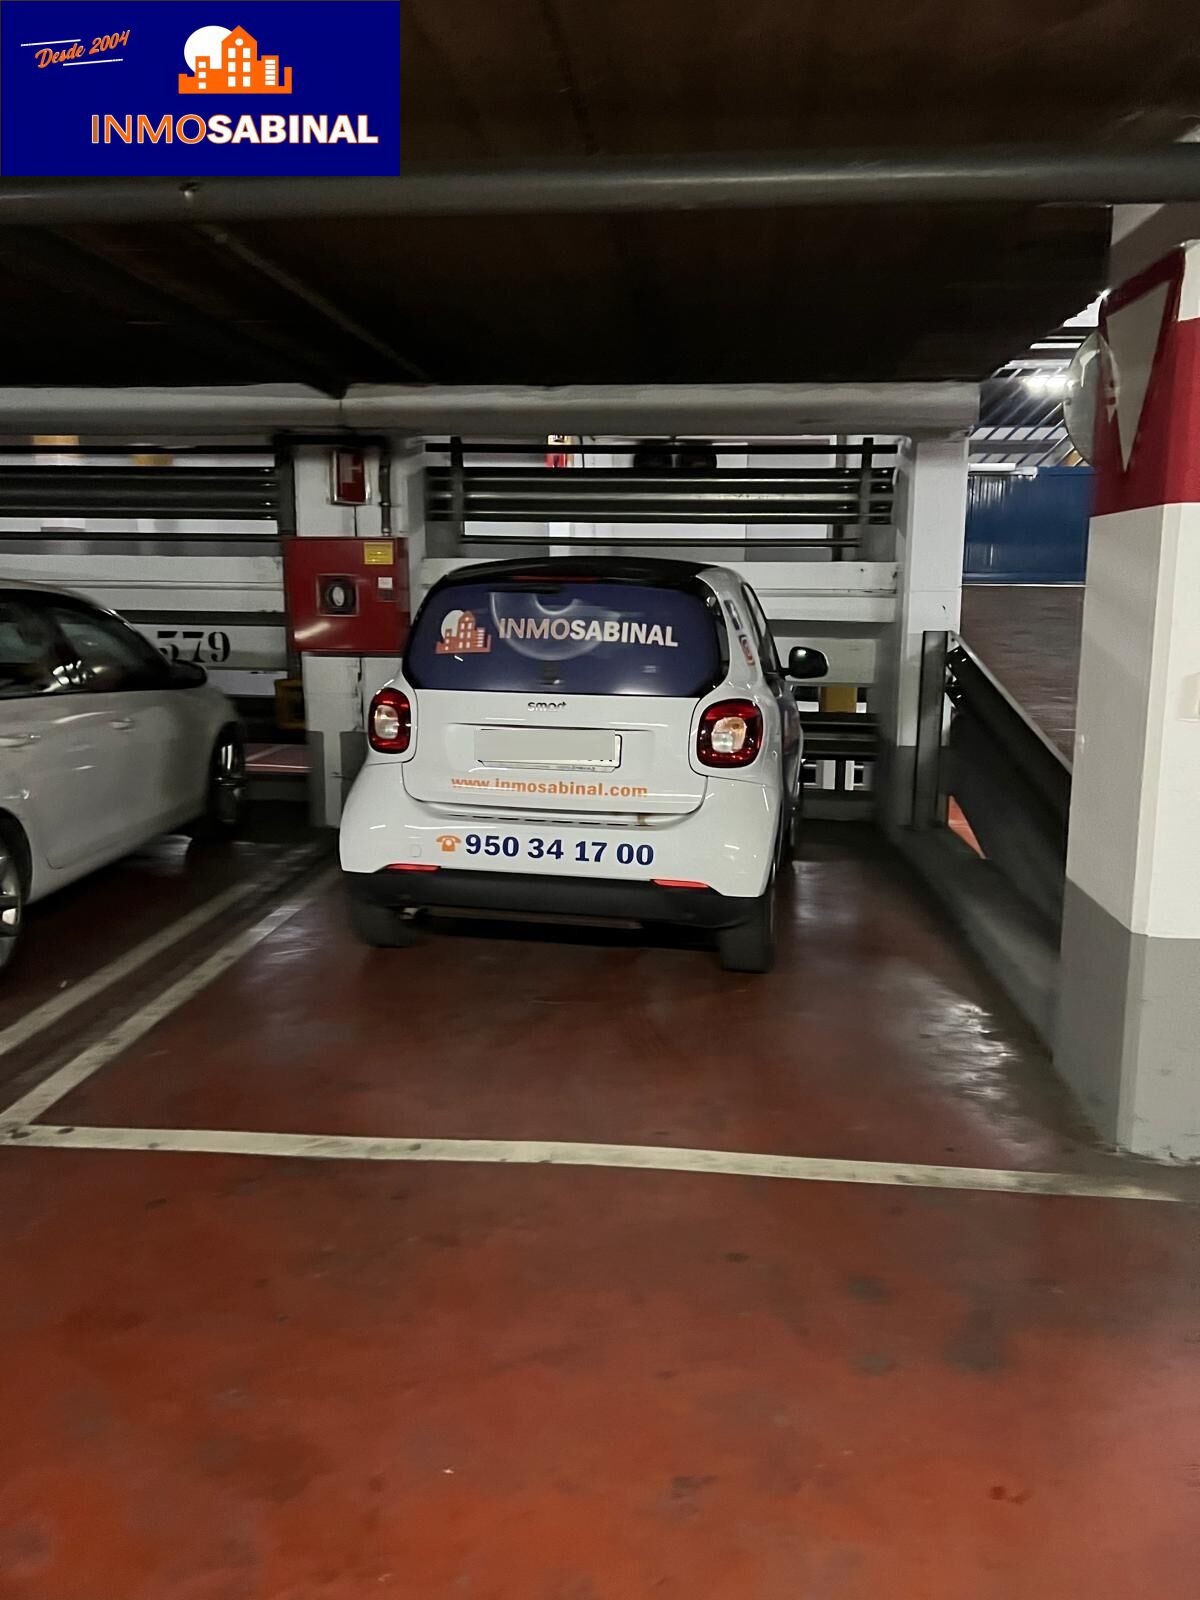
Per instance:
x=1137, y=750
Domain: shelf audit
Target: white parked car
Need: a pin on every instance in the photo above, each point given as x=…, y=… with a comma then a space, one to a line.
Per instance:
x=103, y=745
x=601, y=738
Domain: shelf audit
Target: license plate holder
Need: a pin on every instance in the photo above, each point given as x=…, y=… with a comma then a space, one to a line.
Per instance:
x=549, y=749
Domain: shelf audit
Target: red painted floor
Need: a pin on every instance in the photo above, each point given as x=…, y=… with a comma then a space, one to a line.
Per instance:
x=131, y=907
x=248, y=1379
x=874, y=1038
x=268, y=1379
x=275, y=760
x=99, y=918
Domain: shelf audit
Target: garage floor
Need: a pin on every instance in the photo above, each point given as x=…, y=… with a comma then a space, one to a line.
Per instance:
x=845, y=1307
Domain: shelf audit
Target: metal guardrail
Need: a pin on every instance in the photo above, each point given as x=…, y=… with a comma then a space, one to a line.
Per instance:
x=1011, y=783
x=973, y=690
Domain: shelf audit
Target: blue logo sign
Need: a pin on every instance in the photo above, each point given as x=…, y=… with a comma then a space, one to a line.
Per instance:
x=199, y=88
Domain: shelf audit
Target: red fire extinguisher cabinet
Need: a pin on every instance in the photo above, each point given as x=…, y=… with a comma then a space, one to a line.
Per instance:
x=347, y=597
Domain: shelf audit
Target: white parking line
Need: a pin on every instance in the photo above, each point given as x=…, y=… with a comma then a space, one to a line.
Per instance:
x=50, y=1011
x=536, y=1152
x=42, y=1096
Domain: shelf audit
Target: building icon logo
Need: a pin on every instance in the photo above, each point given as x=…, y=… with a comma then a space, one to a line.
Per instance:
x=226, y=61
x=462, y=636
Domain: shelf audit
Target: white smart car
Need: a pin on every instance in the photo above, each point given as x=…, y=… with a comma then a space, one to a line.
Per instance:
x=599, y=738
x=103, y=745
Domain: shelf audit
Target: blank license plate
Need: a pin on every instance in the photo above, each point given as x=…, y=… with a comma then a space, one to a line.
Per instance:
x=578, y=748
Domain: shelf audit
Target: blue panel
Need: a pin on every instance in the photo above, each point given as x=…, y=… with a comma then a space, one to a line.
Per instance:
x=1028, y=529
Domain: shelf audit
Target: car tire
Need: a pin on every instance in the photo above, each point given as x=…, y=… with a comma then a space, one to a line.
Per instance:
x=13, y=891
x=380, y=926
x=749, y=946
x=225, y=799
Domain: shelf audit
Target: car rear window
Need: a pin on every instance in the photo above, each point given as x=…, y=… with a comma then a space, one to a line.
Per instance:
x=571, y=636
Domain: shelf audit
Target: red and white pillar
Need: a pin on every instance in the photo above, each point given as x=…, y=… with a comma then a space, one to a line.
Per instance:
x=1128, y=1037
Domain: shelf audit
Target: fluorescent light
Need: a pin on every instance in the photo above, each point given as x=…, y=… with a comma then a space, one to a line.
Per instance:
x=1048, y=383
x=1089, y=317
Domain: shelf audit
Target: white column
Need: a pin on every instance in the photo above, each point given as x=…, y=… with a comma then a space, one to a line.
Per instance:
x=1129, y=1012
x=333, y=685
x=930, y=515
x=408, y=464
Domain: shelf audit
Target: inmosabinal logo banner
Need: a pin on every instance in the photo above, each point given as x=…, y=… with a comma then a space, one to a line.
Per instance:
x=199, y=88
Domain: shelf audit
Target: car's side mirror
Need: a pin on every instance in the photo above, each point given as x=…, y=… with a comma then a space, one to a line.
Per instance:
x=804, y=662
x=186, y=675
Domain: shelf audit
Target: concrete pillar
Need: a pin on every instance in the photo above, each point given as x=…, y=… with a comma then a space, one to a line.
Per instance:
x=930, y=513
x=1128, y=1038
x=408, y=463
x=333, y=685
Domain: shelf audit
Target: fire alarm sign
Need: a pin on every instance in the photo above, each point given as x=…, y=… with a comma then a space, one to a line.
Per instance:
x=350, y=478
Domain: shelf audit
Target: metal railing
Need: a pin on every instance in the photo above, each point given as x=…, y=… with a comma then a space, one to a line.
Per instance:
x=978, y=746
x=853, y=495
x=841, y=748
x=90, y=482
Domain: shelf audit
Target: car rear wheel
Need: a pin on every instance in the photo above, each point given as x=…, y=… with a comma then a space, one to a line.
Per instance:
x=750, y=945
x=225, y=799
x=12, y=900
x=380, y=926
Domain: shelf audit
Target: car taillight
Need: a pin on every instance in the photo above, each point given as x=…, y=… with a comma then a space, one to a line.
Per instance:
x=730, y=734
x=389, y=725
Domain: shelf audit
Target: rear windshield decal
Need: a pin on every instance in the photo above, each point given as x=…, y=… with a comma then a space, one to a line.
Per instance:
x=595, y=638
x=462, y=636
x=585, y=631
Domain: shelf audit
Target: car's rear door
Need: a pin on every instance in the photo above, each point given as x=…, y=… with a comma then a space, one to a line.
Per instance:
x=56, y=749
x=172, y=728
x=123, y=722
x=562, y=696
x=32, y=736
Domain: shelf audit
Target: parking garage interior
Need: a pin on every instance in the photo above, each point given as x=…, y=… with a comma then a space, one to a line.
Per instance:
x=542, y=1257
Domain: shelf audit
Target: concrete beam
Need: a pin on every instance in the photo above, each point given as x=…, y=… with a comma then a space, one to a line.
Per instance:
x=508, y=411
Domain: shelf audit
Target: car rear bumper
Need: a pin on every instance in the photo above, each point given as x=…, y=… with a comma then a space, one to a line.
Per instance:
x=449, y=888
x=728, y=843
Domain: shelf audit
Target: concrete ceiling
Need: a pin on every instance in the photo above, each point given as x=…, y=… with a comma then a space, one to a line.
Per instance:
x=904, y=292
